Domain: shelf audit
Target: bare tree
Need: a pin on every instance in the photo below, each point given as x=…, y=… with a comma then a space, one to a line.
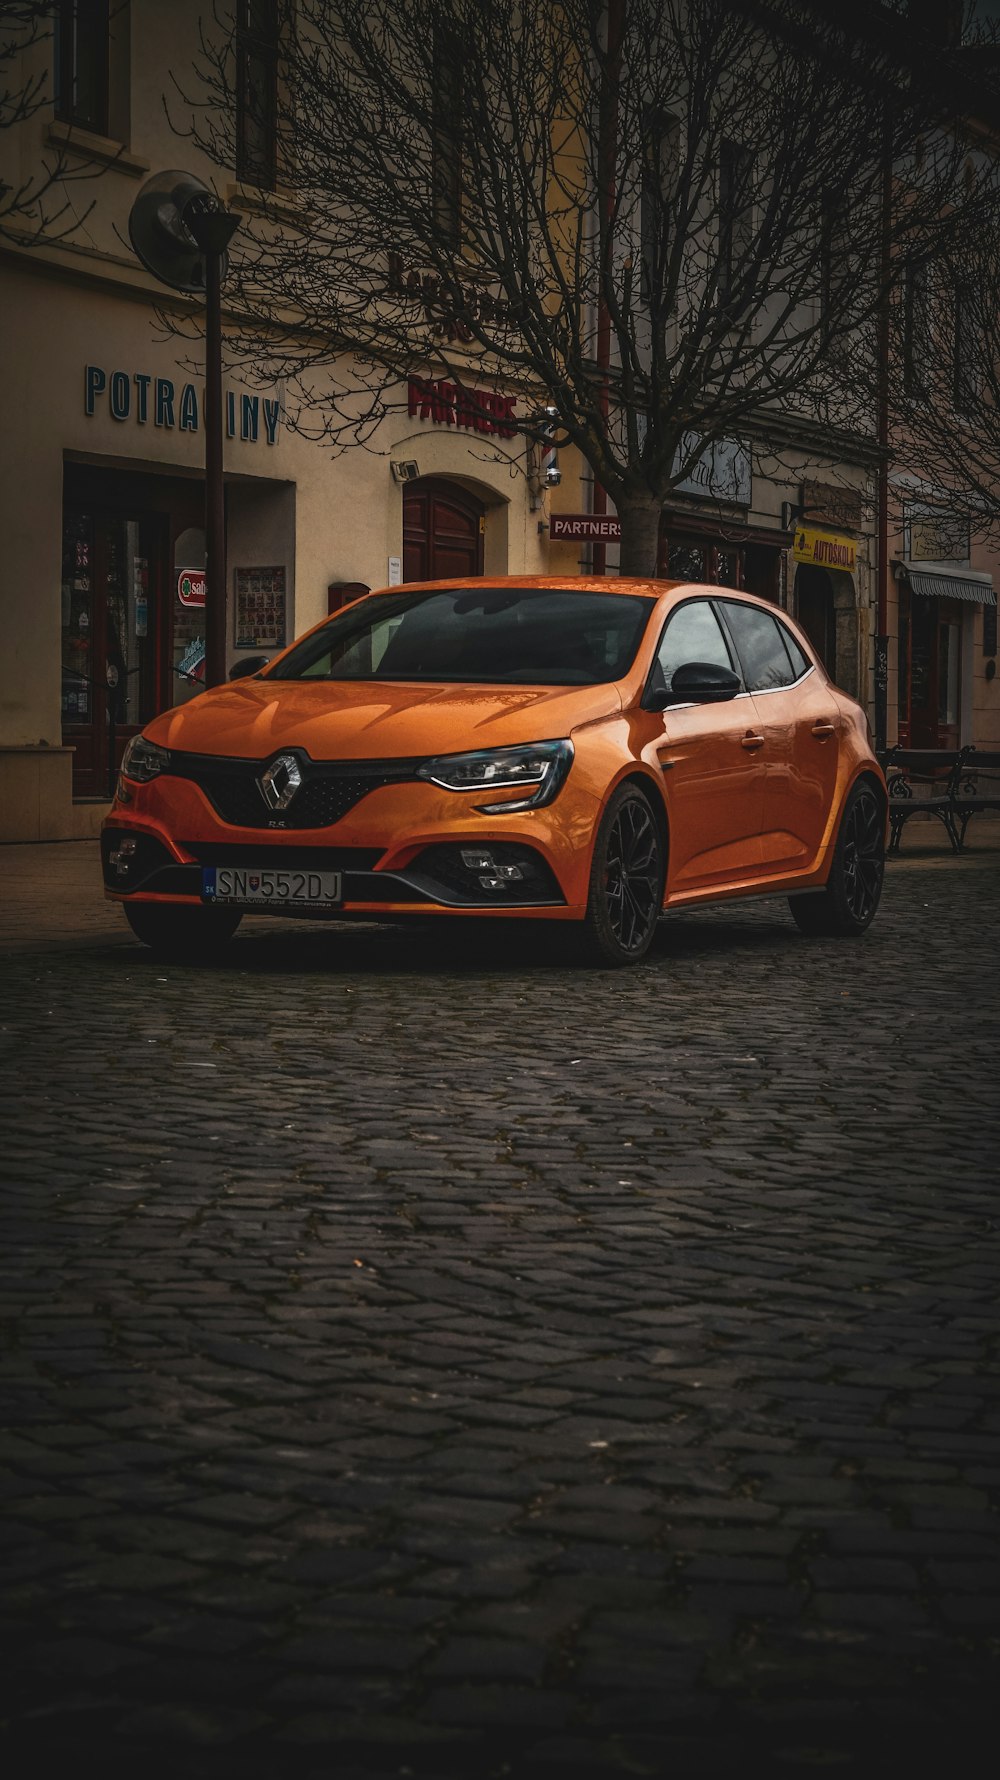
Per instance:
x=676, y=221
x=33, y=205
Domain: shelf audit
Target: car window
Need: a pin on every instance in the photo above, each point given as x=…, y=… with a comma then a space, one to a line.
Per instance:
x=480, y=634
x=766, y=663
x=799, y=659
x=693, y=633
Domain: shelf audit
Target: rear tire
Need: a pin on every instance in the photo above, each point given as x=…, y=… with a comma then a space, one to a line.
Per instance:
x=848, y=904
x=626, y=882
x=179, y=932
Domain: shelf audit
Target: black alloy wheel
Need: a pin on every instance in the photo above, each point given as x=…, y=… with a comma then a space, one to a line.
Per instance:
x=180, y=932
x=626, y=881
x=847, y=906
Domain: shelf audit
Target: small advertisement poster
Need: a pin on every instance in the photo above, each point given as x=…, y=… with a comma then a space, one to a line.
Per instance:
x=260, y=608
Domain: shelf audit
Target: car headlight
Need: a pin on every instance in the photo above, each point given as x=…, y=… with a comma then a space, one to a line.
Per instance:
x=143, y=760
x=540, y=767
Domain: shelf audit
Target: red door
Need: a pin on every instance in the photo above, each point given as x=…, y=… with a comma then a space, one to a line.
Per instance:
x=442, y=532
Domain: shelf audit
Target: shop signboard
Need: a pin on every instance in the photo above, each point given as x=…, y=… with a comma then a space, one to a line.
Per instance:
x=824, y=549
x=191, y=587
x=585, y=528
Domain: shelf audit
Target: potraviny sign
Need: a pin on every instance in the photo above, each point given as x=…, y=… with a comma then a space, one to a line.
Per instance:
x=139, y=397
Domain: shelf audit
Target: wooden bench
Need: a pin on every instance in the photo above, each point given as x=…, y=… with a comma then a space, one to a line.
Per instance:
x=921, y=782
x=975, y=788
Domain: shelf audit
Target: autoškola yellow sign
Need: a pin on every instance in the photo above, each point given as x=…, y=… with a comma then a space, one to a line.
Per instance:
x=826, y=550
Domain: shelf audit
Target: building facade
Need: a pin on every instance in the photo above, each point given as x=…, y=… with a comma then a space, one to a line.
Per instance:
x=103, y=486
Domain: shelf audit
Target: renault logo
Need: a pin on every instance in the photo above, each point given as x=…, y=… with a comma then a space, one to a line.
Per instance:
x=279, y=782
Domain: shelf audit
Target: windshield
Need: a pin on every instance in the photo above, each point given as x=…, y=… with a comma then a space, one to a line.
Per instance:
x=497, y=636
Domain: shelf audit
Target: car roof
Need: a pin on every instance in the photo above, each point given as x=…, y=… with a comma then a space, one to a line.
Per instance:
x=650, y=587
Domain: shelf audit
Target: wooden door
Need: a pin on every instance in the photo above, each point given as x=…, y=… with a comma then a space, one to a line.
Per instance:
x=442, y=532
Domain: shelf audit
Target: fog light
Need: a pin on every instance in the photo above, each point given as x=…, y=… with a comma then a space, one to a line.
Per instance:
x=476, y=860
x=122, y=856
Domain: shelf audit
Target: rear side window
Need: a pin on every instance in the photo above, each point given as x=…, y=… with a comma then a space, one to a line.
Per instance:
x=758, y=638
x=693, y=633
x=799, y=659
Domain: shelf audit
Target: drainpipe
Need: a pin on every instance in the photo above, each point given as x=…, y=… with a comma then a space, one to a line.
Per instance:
x=606, y=164
x=882, y=429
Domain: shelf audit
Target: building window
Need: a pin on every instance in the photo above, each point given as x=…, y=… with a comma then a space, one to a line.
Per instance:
x=661, y=149
x=735, y=219
x=916, y=327
x=82, y=62
x=966, y=361
x=257, y=92
x=446, y=136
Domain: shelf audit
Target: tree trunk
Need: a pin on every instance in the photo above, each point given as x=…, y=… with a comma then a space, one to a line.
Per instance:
x=640, y=523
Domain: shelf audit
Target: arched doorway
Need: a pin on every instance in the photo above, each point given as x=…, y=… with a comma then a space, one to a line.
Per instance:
x=443, y=530
x=816, y=612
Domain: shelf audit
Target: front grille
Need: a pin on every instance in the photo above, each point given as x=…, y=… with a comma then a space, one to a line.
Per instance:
x=327, y=792
x=282, y=858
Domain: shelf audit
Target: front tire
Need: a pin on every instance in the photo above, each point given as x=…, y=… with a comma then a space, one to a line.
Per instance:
x=847, y=906
x=626, y=882
x=174, y=931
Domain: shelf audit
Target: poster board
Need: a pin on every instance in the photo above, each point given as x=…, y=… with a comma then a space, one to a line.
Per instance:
x=259, y=608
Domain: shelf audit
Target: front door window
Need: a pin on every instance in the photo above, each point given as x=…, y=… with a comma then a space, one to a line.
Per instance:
x=929, y=662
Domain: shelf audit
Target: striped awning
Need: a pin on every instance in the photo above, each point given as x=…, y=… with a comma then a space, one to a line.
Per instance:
x=948, y=584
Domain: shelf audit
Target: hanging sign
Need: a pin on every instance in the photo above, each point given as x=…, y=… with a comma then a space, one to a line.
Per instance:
x=825, y=550
x=191, y=587
x=582, y=527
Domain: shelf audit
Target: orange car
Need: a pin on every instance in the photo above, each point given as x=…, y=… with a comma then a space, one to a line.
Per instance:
x=587, y=751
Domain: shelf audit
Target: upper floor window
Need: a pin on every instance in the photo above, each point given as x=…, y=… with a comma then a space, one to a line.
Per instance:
x=257, y=92
x=446, y=137
x=660, y=156
x=966, y=364
x=82, y=63
x=735, y=218
x=916, y=327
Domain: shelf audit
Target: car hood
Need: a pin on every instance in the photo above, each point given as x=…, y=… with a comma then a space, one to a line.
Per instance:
x=371, y=720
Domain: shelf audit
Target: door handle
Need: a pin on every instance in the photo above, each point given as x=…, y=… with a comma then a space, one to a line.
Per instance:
x=752, y=740
x=823, y=731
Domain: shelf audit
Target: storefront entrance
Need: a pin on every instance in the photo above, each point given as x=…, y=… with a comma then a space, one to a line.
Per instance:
x=816, y=612
x=443, y=529
x=929, y=663
x=118, y=619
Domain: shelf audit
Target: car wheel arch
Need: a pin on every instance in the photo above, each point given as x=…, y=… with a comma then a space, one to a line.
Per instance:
x=653, y=793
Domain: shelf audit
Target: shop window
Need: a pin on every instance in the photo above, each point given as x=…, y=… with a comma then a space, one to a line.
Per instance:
x=948, y=660
x=257, y=92
x=989, y=630
x=689, y=562
x=82, y=47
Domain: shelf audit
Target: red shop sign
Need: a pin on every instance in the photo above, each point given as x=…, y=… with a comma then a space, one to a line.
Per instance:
x=191, y=587
x=451, y=404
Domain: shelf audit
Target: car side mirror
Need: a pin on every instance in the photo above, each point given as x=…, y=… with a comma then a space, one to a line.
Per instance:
x=248, y=664
x=701, y=683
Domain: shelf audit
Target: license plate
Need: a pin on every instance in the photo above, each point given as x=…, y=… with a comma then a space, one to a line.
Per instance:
x=272, y=889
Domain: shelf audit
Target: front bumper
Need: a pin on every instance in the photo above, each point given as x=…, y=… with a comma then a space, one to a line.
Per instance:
x=398, y=849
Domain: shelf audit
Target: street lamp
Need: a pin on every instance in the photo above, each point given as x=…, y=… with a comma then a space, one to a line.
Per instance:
x=181, y=232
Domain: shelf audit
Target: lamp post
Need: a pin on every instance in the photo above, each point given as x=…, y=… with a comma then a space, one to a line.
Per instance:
x=180, y=232
x=213, y=229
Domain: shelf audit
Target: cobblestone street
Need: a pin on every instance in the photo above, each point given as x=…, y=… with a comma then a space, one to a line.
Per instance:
x=425, y=1358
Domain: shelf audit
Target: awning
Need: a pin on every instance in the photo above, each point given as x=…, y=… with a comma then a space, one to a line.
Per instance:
x=948, y=584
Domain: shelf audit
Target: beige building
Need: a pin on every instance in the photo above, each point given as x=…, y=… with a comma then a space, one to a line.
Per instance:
x=103, y=485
